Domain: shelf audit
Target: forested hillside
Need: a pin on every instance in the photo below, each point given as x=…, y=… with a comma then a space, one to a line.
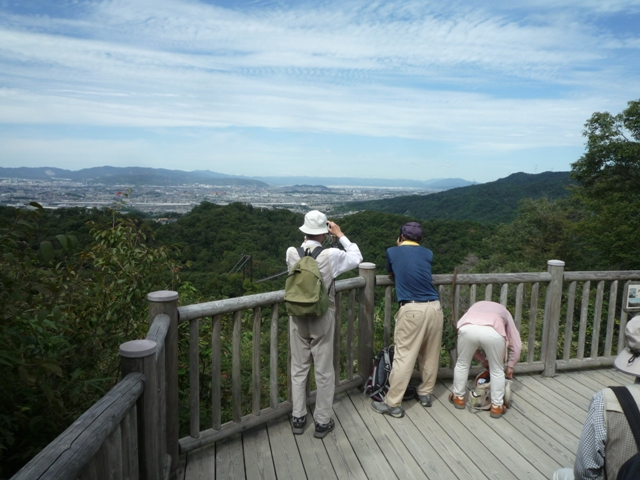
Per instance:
x=494, y=202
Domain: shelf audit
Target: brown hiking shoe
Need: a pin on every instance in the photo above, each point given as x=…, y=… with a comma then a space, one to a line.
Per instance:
x=457, y=401
x=497, y=410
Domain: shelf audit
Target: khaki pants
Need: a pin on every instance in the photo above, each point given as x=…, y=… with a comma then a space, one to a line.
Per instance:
x=312, y=340
x=417, y=336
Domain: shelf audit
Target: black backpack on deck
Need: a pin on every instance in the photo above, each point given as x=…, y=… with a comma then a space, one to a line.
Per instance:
x=377, y=385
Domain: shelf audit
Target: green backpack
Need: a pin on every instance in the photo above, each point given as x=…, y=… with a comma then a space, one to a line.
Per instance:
x=304, y=292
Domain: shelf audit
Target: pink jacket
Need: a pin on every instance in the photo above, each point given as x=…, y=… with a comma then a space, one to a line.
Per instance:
x=494, y=315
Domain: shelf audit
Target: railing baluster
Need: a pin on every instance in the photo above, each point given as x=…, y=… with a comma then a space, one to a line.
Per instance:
x=472, y=294
x=236, y=367
x=194, y=378
x=597, y=317
x=623, y=320
x=519, y=300
x=611, y=317
x=350, y=332
x=255, y=364
x=504, y=294
x=130, y=444
x=216, y=373
x=584, y=312
x=456, y=304
x=533, y=320
x=273, y=357
x=113, y=455
x=488, y=292
x=387, y=315
x=568, y=329
x=337, y=337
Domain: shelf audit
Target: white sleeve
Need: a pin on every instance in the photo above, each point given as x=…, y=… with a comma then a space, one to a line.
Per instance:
x=342, y=261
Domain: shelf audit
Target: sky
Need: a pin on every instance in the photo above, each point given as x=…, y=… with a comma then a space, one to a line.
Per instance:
x=374, y=89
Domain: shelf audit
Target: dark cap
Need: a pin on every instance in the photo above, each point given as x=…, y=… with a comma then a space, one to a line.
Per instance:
x=412, y=231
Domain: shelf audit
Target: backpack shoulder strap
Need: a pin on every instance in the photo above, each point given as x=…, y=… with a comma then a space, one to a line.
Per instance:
x=301, y=252
x=316, y=252
x=630, y=409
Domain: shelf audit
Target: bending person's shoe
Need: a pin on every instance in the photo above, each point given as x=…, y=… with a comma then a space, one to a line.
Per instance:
x=458, y=401
x=381, y=407
x=497, y=410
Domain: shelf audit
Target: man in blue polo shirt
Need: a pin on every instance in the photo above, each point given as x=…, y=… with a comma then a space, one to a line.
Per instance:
x=418, y=330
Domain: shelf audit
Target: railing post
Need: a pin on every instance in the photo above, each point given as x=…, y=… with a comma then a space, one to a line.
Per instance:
x=551, y=323
x=365, y=319
x=166, y=301
x=140, y=356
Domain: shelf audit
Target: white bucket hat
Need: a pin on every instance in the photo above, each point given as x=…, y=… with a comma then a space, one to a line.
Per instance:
x=315, y=223
x=628, y=361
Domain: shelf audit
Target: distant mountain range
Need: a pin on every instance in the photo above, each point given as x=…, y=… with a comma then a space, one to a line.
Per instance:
x=160, y=176
x=495, y=202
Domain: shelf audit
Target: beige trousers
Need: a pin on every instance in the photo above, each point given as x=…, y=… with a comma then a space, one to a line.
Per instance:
x=417, y=336
x=312, y=340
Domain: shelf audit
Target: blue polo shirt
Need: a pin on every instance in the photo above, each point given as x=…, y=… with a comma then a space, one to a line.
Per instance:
x=411, y=266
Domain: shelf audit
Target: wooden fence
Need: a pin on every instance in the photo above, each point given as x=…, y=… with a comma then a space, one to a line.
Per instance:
x=134, y=429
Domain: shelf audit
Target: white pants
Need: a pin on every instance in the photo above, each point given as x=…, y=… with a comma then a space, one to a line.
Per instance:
x=470, y=338
x=312, y=340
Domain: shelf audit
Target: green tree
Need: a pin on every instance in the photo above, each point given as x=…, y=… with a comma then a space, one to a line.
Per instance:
x=609, y=175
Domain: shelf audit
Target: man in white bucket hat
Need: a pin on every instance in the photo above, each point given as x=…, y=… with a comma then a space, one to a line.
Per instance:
x=312, y=337
x=606, y=432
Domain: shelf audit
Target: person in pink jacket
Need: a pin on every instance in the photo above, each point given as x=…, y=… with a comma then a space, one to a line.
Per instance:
x=490, y=326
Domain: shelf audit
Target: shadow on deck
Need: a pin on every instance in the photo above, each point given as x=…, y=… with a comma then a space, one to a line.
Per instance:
x=539, y=434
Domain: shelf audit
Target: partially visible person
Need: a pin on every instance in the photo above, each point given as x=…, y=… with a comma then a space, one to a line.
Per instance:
x=311, y=338
x=490, y=326
x=418, y=330
x=607, y=442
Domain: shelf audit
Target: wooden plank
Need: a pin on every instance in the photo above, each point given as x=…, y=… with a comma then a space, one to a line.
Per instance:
x=568, y=328
x=464, y=433
x=343, y=458
x=555, y=391
x=611, y=317
x=519, y=302
x=371, y=457
x=623, y=321
x=273, y=357
x=350, y=333
x=286, y=458
x=216, y=374
x=504, y=294
x=236, y=373
x=229, y=458
x=403, y=442
x=313, y=454
x=258, y=462
x=337, y=338
x=604, y=275
x=533, y=322
x=388, y=301
x=194, y=378
x=113, y=455
x=597, y=318
x=565, y=427
x=255, y=362
x=201, y=464
x=488, y=292
x=584, y=312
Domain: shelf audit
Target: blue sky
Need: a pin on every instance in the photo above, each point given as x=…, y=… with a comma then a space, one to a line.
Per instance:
x=392, y=89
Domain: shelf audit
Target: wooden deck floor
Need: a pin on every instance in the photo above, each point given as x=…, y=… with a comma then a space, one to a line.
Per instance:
x=538, y=435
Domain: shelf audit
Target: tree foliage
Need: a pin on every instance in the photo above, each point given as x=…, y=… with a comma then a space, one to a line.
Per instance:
x=609, y=176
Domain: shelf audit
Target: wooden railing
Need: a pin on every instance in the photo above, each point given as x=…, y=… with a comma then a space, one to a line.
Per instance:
x=134, y=431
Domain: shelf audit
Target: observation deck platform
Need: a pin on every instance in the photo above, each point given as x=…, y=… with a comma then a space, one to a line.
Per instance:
x=539, y=434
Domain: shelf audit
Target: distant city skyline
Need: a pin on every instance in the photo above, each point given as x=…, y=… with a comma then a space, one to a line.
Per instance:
x=389, y=89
